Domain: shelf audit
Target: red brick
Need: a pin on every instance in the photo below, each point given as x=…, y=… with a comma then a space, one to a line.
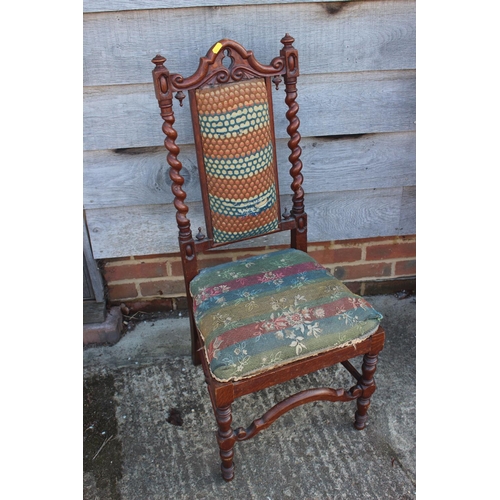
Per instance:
x=360, y=241
x=346, y=254
x=176, y=268
x=162, y=287
x=120, y=292
x=362, y=271
x=213, y=261
x=406, y=268
x=140, y=270
x=338, y=254
x=323, y=255
x=391, y=251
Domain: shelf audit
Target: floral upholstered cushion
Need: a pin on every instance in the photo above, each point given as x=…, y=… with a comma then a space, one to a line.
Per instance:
x=273, y=309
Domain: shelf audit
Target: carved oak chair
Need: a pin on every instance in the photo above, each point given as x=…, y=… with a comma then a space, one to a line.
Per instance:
x=266, y=319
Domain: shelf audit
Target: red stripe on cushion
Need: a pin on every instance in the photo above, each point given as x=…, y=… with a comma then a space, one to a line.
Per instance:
x=255, y=279
x=282, y=321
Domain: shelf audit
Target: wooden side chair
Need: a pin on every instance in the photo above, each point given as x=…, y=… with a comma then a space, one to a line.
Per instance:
x=267, y=319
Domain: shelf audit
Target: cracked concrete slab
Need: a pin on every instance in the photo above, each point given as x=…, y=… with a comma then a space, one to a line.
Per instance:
x=312, y=452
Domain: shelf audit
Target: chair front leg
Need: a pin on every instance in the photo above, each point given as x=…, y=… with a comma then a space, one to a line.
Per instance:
x=368, y=387
x=226, y=440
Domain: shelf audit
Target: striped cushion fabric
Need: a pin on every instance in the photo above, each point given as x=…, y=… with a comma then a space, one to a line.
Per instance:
x=238, y=157
x=272, y=309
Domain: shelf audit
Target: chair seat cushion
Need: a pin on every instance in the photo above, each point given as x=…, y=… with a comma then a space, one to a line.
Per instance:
x=264, y=311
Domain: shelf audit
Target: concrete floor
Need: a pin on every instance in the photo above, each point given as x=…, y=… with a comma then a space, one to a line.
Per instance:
x=132, y=452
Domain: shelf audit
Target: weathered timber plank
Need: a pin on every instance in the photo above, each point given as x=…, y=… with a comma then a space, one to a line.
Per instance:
x=330, y=104
x=330, y=37
x=93, y=273
x=407, y=221
x=151, y=229
x=119, y=5
x=140, y=176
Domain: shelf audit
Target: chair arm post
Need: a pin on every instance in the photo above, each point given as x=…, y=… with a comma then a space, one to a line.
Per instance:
x=290, y=56
x=291, y=59
x=164, y=96
x=163, y=90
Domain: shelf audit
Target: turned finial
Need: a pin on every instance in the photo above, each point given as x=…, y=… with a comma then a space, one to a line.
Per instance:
x=200, y=236
x=158, y=60
x=180, y=96
x=287, y=40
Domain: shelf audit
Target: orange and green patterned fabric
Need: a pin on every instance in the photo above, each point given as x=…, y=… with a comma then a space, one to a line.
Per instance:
x=238, y=157
x=272, y=309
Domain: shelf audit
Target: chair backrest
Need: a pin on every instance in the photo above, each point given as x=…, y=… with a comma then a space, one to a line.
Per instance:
x=230, y=97
x=233, y=129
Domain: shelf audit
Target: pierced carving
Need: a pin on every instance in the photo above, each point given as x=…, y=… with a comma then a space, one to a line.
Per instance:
x=227, y=60
x=212, y=70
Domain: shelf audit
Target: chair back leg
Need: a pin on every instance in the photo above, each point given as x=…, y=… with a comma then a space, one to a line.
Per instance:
x=226, y=440
x=368, y=385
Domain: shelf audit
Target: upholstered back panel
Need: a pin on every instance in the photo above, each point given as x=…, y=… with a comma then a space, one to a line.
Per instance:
x=238, y=157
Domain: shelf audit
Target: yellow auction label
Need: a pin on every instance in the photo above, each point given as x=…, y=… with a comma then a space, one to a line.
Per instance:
x=217, y=47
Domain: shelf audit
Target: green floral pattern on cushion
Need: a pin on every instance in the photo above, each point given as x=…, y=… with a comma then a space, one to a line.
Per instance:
x=273, y=309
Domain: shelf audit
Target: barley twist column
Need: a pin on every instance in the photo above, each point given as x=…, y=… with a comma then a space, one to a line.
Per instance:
x=290, y=55
x=164, y=96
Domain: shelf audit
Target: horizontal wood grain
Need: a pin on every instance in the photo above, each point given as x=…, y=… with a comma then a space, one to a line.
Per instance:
x=330, y=37
x=119, y=5
x=357, y=95
x=151, y=229
x=140, y=176
x=330, y=104
x=408, y=208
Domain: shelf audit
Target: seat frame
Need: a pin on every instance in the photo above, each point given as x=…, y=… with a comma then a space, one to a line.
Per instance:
x=212, y=71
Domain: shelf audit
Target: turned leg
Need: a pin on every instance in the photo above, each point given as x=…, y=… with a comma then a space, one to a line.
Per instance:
x=368, y=386
x=226, y=440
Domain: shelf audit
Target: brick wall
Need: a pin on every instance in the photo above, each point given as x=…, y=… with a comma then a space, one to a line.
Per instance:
x=367, y=266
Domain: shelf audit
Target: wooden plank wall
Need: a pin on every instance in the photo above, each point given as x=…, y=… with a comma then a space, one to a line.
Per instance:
x=357, y=112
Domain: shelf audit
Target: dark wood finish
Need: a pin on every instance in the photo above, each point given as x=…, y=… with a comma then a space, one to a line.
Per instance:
x=212, y=71
x=226, y=439
x=368, y=387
